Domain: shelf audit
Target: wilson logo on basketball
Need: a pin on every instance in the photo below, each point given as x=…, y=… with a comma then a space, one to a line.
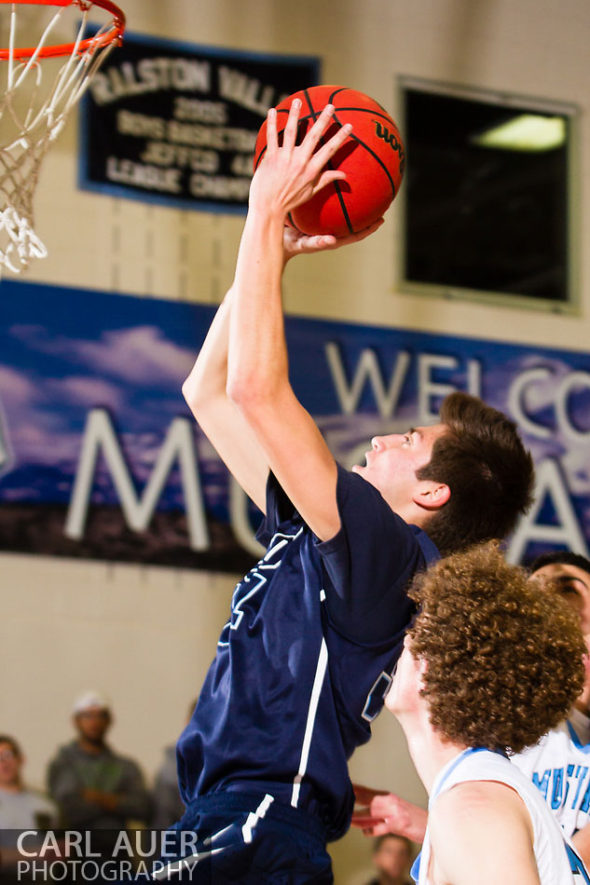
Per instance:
x=391, y=139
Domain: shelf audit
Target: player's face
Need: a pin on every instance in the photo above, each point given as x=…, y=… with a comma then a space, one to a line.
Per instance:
x=574, y=585
x=393, y=460
x=405, y=686
x=10, y=765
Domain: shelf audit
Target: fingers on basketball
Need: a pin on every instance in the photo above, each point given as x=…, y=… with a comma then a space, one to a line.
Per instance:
x=371, y=157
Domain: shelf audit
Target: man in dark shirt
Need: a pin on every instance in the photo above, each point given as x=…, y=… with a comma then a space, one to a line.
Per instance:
x=316, y=627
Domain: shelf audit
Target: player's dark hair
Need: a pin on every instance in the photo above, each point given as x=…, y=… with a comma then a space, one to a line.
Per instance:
x=489, y=472
x=504, y=655
x=560, y=557
x=6, y=739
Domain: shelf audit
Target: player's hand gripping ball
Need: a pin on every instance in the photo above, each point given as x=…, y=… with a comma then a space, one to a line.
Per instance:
x=372, y=157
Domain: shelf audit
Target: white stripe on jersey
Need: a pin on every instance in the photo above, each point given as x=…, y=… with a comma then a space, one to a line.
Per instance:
x=311, y=714
x=255, y=816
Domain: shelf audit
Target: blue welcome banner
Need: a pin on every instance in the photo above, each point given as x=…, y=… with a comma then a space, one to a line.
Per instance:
x=100, y=457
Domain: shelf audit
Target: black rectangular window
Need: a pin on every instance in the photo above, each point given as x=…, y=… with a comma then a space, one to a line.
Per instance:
x=486, y=196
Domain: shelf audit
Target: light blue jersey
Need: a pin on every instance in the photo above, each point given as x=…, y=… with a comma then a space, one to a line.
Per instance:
x=557, y=861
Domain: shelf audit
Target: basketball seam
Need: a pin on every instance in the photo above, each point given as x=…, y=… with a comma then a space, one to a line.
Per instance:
x=376, y=157
x=313, y=113
x=340, y=196
x=260, y=156
x=358, y=110
x=336, y=184
x=292, y=222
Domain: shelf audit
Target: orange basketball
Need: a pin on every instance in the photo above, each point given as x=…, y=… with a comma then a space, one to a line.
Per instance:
x=372, y=157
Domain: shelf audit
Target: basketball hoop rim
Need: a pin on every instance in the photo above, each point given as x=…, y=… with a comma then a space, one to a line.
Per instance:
x=114, y=36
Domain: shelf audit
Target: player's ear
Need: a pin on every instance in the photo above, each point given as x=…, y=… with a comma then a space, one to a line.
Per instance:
x=431, y=495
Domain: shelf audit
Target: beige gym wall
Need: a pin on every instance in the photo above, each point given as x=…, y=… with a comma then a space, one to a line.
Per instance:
x=145, y=635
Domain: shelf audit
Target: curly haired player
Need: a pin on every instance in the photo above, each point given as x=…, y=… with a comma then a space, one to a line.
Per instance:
x=558, y=764
x=490, y=664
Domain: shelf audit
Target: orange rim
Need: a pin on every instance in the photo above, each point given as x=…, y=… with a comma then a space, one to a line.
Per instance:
x=114, y=36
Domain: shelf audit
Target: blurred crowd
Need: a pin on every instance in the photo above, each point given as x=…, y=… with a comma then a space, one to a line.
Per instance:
x=89, y=784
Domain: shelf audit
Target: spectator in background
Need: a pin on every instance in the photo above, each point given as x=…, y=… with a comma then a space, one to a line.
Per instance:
x=392, y=856
x=20, y=808
x=94, y=787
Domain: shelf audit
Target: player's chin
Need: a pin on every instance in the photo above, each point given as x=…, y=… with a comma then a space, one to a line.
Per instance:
x=391, y=700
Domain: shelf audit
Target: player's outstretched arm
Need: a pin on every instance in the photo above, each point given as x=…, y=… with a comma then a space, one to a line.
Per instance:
x=480, y=831
x=205, y=388
x=258, y=379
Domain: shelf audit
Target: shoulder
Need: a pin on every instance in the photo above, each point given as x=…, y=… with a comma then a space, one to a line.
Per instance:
x=352, y=484
x=478, y=805
x=483, y=826
x=364, y=512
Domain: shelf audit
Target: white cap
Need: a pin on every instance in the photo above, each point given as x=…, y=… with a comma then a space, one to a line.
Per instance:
x=89, y=700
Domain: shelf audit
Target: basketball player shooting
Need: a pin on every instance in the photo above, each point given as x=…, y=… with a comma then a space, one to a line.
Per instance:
x=316, y=627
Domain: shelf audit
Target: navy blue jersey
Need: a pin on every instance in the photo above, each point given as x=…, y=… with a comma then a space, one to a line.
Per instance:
x=305, y=660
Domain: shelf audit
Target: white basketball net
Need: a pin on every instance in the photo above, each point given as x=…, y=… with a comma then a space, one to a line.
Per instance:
x=32, y=114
